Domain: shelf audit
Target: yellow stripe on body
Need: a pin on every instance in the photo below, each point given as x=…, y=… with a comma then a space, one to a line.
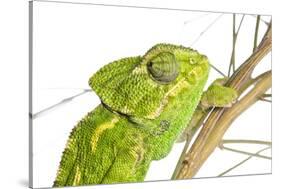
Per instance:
x=77, y=177
x=177, y=88
x=172, y=92
x=99, y=130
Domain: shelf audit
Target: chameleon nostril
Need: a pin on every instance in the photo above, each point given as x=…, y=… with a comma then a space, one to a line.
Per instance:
x=192, y=61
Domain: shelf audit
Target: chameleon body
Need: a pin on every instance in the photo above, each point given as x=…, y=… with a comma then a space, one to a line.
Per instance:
x=147, y=101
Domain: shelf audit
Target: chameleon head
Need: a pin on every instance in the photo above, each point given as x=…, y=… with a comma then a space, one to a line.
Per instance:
x=169, y=64
x=142, y=86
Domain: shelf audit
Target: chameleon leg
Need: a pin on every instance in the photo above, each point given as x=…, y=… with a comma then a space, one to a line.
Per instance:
x=197, y=118
x=216, y=95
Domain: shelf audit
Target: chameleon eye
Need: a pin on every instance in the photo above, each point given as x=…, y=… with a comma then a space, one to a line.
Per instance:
x=163, y=68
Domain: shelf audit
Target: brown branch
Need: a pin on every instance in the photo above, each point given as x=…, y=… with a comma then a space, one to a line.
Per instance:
x=197, y=120
x=244, y=72
x=221, y=118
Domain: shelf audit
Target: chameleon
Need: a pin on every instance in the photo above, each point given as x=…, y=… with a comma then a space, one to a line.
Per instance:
x=146, y=103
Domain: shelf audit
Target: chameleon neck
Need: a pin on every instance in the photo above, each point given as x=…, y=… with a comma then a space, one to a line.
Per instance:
x=177, y=113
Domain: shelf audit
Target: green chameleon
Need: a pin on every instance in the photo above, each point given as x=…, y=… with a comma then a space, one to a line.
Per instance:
x=147, y=102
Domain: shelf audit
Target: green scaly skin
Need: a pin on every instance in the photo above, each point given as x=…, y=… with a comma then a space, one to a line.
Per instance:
x=147, y=102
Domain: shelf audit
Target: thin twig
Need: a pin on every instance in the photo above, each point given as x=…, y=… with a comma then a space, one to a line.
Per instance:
x=256, y=33
x=66, y=88
x=265, y=100
x=206, y=29
x=234, y=39
x=222, y=147
x=244, y=72
x=240, y=24
x=267, y=95
x=263, y=21
x=264, y=96
x=235, y=141
x=62, y=102
x=196, y=18
x=216, y=69
x=242, y=162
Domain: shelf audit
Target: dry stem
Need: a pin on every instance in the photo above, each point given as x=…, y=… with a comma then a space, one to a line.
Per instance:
x=221, y=118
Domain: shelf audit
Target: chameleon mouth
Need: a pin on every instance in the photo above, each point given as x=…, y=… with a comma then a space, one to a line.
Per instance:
x=199, y=69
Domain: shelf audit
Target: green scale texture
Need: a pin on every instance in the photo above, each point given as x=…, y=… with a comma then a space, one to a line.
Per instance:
x=114, y=158
x=143, y=112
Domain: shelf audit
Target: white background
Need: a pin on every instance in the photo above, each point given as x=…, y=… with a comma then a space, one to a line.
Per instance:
x=15, y=94
x=74, y=41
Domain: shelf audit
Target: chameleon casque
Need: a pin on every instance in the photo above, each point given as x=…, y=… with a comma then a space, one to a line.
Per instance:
x=147, y=102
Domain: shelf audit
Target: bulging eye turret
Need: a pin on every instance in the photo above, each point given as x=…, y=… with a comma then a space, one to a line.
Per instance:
x=163, y=68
